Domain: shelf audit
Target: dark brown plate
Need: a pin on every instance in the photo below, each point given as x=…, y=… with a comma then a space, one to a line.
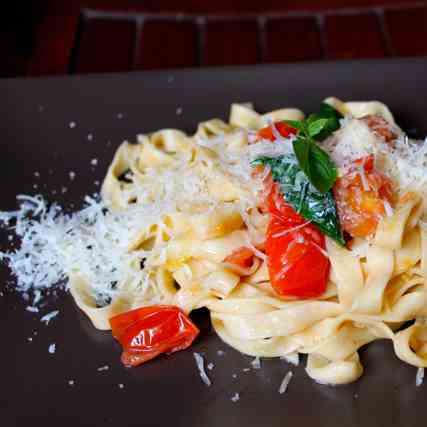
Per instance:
x=36, y=136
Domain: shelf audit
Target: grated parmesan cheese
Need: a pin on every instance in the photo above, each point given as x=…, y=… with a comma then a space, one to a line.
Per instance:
x=53, y=244
x=235, y=398
x=256, y=363
x=290, y=230
x=49, y=316
x=103, y=368
x=200, y=362
x=388, y=209
x=406, y=162
x=420, y=377
x=292, y=358
x=285, y=382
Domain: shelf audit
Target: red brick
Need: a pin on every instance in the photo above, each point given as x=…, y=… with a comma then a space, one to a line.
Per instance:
x=167, y=44
x=408, y=31
x=55, y=39
x=354, y=36
x=292, y=39
x=105, y=45
x=231, y=43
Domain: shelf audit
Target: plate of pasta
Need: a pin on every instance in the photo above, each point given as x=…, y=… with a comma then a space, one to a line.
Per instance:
x=296, y=229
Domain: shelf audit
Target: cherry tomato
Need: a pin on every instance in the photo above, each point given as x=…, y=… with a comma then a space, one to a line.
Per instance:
x=380, y=126
x=284, y=129
x=361, y=196
x=243, y=257
x=147, y=332
x=297, y=262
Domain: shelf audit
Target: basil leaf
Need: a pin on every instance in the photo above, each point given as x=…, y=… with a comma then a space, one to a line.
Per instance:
x=302, y=152
x=328, y=111
x=310, y=203
x=297, y=124
x=315, y=163
x=315, y=127
x=333, y=120
x=322, y=171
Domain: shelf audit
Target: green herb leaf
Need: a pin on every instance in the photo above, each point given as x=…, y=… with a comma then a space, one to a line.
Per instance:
x=313, y=205
x=302, y=150
x=333, y=120
x=297, y=124
x=322, y=170
x=313, y=161
x=316, y=126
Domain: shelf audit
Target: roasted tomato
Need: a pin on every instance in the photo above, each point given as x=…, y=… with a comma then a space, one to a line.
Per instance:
x=147, y=332
x=380, y=126
x=282, y=128
x=297, y=262
x=362, y=196
x=242, y=257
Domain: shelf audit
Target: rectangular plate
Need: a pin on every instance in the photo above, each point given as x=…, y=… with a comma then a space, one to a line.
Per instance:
x=37, y=118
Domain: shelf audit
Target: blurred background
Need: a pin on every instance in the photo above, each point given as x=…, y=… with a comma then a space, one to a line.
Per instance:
x=54, y=37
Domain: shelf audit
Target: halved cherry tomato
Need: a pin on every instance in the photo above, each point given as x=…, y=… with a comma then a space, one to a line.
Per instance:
x=147, y=332
x=284, y=129
x=361, y=195
x=243, y=257
x=297, y=263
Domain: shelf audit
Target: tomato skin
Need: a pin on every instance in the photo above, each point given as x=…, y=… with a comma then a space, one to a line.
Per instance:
x=147, y=332
x=243, y=257
x=360, y=208
x=297, y=264
x=284, y=129
x=380, y=126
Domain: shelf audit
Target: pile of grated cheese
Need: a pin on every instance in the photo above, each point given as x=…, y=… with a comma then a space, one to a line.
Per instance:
x=54, y=244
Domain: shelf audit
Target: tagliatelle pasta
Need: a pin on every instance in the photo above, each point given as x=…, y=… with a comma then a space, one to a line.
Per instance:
x=175, y=206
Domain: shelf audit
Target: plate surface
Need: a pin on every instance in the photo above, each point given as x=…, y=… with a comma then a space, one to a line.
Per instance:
x=59, y=125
